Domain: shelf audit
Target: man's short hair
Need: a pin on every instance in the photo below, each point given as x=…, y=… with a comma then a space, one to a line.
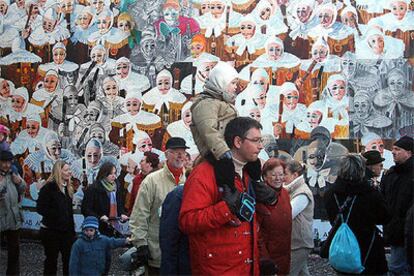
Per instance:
x=239, y=127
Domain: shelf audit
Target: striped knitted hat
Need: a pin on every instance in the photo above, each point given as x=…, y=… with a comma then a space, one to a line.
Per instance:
x=90, y=222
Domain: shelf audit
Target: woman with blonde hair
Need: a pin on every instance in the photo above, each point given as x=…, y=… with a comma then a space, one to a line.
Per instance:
x=57, y=229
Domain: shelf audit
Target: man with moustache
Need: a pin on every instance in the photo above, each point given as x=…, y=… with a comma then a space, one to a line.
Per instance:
x=145, y=216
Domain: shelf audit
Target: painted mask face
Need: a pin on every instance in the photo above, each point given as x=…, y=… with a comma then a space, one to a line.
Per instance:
x=59, y=56
x=376, y=42
x=54, y=149
x=148, y=48
x=98, y=134
x=375, y=144
x=255, y=114
x=3, y=7
x=85, y=20
x=187, y=118
x=98, y=56
x=122, y=69
x=35, y=11
x=205, y=8
x=50, y=83
x=217, y=8
x=263, y=82
x=261, y=100
x=104, y=24
x=67, y=6
x=314, y=118
x=316, y=155
x=124, y=26
x=72, y=100
x=18, y=103
x=144, y=145
x=291, y=100
x=110, y=89
x=348, y=67
x=362, y=107
x=265, y=13
x=171, y=16
x=93, y=156
x=196, y=49
x=98, y=5
x=164, y=85
x=338, y=90
x=204, y=70
x=247, y=29
x=20, y=3
x=132, y=106
x=92, y=115
x=131, y=166
x=303, y=13
x=399, y=9
x=326, y=18
x=396, y=84
x=48, y=25
x=32, y=128
x=5, y=89
x=319, y=53
x=349, y=19
x=274, y=51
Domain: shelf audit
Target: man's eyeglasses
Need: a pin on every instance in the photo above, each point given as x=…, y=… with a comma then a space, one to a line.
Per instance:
x=256, y=141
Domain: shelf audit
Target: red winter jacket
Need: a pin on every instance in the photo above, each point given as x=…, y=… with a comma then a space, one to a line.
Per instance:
x=216, y=248
x=275, y=230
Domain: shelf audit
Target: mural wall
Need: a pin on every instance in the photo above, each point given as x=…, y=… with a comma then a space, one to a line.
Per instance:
x=101, y=80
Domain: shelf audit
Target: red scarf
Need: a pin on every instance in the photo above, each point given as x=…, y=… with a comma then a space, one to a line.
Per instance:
x=176, y=173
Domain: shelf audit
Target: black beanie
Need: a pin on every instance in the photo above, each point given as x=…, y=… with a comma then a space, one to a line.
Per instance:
x=405, y=142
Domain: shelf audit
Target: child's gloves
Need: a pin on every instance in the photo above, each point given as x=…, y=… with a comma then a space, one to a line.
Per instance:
x=225, y=173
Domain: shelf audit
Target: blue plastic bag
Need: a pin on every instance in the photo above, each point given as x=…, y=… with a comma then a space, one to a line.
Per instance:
x=344, y=252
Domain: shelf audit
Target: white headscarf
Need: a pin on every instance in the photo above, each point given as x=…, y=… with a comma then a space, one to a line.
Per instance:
x=220, y=77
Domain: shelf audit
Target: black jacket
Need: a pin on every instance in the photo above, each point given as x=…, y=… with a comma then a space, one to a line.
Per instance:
x=55, y=208
x=397, y=187
x=368, y=211
x=96, y=203
x=175, y=259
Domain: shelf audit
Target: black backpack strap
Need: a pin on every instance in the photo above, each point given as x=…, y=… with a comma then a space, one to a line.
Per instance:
x=370, y=246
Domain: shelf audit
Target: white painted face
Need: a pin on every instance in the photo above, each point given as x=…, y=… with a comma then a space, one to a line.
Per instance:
x=319, y=53
x=5, y=89
x=3, y=7
x=291, y=100
x=85, y=20
x=59, y=56
x=396, y=83
x=164, y=85
x=187, y=118
x=376, y=43
x=303, y=12
x=326, y=17
x=122, y=69
x=171, y=16
x=399, y=9
x=247, y=29
x=124, y=26
x=103, y=24
x=338, y=89
x=274, y=51
x=110, y=88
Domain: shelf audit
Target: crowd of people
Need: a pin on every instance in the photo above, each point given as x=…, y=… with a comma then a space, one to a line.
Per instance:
x=187, y=222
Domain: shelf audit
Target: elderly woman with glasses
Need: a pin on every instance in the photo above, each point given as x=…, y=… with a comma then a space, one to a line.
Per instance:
x=275, y=221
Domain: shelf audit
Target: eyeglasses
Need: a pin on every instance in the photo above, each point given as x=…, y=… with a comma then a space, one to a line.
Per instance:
x=256, y=141
x=122, y=67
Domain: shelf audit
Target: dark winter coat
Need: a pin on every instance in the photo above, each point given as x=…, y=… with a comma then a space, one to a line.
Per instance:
x=96, y=203
x=174, y=246
x=91, y=256
x=397, y=187
x=409, y=236
x=56, y=208
x=368, y=211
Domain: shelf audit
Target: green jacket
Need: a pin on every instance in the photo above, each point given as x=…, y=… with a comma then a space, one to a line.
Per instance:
x=209, y=119
x=145, y=216
x=11, y=216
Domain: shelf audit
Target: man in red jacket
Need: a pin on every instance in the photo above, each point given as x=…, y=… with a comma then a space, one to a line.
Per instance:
x=220, y=221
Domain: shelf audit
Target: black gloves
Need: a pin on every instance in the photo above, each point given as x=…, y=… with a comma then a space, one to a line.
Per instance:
x=142, y=255
x=232, y=198
x=267, y=267
x=264, y=193
x=254, y=169
x=225, y=173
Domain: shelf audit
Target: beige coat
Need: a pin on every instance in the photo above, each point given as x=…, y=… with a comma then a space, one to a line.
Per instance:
x=145, y=216
x=209, y=119
x=302, y=231
x=11, y=216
